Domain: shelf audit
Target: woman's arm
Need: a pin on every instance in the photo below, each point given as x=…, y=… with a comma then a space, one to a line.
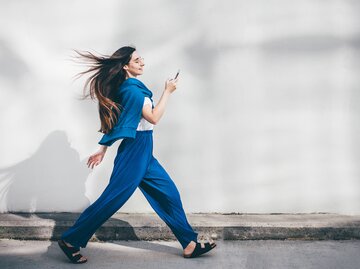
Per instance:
x=153, y=115
x=97, y=157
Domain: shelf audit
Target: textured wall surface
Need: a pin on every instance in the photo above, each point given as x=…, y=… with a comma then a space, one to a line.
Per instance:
x=266, y=117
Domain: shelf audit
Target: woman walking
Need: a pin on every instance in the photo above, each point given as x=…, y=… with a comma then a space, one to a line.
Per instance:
x=127, y=112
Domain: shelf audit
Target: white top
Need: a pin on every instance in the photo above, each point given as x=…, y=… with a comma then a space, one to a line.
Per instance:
x=144, y=125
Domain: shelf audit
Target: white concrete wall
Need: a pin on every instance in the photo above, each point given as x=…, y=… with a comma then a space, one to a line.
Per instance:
x=265, y=118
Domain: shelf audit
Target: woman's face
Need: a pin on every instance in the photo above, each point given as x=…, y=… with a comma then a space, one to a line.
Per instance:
x=135, y=67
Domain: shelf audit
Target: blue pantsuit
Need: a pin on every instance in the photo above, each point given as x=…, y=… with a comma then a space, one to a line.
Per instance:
x=134, y=166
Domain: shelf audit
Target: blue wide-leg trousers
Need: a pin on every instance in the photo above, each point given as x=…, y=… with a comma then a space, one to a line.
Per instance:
x=134, y=166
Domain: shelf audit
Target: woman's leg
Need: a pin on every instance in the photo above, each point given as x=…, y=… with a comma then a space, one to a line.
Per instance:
x=164, y=198
x=130, y=166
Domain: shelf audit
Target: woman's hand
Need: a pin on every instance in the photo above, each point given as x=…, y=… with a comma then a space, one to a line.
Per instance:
x=96, y=158
x=170, y=85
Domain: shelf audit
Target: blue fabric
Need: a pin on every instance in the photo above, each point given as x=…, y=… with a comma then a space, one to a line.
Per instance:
x=131, y=96
x=134, y=167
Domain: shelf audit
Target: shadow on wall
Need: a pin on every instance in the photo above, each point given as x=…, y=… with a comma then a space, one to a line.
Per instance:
x=53, y=177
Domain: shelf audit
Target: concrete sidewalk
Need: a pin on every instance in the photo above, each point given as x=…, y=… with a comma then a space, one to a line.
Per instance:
x=256, y=254
x=124, y=226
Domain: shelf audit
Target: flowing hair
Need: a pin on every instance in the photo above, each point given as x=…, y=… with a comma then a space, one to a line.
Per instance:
x=104, y=82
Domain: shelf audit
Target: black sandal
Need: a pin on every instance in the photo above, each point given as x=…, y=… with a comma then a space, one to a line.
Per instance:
x=199, y=250
x=69, y=251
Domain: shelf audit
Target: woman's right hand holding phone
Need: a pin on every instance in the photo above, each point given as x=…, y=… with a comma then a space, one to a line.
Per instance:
x=170, y=85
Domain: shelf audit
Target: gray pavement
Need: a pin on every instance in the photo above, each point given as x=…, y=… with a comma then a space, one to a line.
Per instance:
x=167, y=254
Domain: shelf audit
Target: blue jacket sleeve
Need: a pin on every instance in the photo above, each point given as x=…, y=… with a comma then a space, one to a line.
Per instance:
x=131, y=99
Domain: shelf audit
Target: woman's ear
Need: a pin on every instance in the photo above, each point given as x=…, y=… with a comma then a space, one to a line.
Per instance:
x=125, y=67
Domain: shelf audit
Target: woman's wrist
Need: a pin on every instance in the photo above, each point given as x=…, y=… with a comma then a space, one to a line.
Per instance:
x=103, y=148
x=167, y=91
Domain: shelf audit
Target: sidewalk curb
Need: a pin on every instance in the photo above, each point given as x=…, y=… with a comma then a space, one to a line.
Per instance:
x=148, y=226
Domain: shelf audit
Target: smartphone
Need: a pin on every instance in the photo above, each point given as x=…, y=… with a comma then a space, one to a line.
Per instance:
x=177, y=74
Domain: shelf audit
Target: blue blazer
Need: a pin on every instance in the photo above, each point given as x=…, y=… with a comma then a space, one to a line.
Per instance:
x=131, y=96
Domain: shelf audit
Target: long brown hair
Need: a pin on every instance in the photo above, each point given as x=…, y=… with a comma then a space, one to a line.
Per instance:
x=103, y=84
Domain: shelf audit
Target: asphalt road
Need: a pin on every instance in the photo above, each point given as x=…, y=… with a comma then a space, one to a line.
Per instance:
x=168, y=254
